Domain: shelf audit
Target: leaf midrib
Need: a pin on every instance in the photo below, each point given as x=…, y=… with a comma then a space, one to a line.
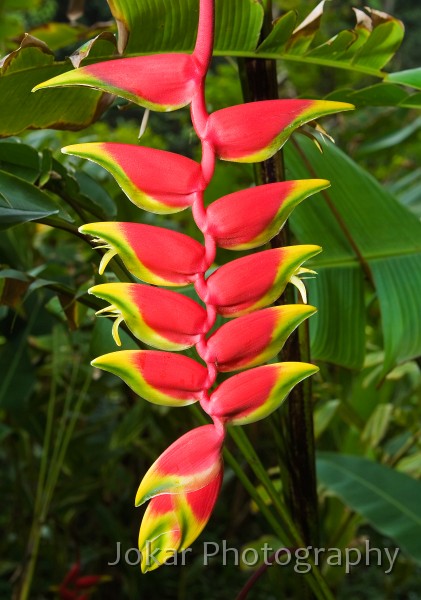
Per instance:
x=351, y=260
x=323, y=62
x=376, y=490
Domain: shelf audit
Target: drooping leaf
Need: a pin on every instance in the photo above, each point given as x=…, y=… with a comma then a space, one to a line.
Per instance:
x=391, y=254
x=388, y=500
x=20, y=109
x=21, y=201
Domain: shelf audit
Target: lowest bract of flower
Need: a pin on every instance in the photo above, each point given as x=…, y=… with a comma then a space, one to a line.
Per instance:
x=183, y=483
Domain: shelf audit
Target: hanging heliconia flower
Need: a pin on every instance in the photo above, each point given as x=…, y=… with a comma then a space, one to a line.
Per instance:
x=183, y=484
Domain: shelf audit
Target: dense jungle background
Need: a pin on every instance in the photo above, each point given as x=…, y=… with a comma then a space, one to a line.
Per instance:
x=75, y=442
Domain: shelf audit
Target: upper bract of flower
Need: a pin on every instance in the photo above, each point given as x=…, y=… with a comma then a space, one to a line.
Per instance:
x=161, y=82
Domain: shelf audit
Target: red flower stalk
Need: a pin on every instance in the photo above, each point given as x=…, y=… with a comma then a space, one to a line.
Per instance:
x=184, y=482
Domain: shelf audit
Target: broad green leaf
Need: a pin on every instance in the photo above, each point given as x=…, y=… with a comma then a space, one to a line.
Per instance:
x=379, y=94
x=168, y=26
x=381, y=45
x=323, y=416
x=410, y=77
x=388, y=500
x=280, y=34
x=364, y=212
x=94, y=193
x=21, y=109
x=21, y=160
x=21, y=202
x=391, y=140
x=337, y=331
x=407, y=190
x=411, y=101
x=377, y=425
x=60, y=35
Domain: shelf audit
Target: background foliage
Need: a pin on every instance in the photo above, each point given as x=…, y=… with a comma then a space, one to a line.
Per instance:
x=74, y=444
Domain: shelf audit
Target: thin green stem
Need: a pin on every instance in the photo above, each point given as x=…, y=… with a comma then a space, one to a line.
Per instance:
x=57, y=465
x=35, y=532
x=247, y=450
x=254, y=494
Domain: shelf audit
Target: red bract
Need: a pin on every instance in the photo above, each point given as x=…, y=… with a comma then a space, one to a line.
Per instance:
x=255, y=131
x=159, y=317
x=250, y=218
x=189, y=464
x=255, y=338
x=162, y=82
x=184, y=481
x=153, y=254
x=160, y=377
x=135, y=169
x=255, y=394
x=255, y=281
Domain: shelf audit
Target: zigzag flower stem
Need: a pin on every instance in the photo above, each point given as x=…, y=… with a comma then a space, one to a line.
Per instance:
x=183, y=483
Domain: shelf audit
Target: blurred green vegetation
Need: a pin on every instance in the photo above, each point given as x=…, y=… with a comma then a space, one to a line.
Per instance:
x=75, y=443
